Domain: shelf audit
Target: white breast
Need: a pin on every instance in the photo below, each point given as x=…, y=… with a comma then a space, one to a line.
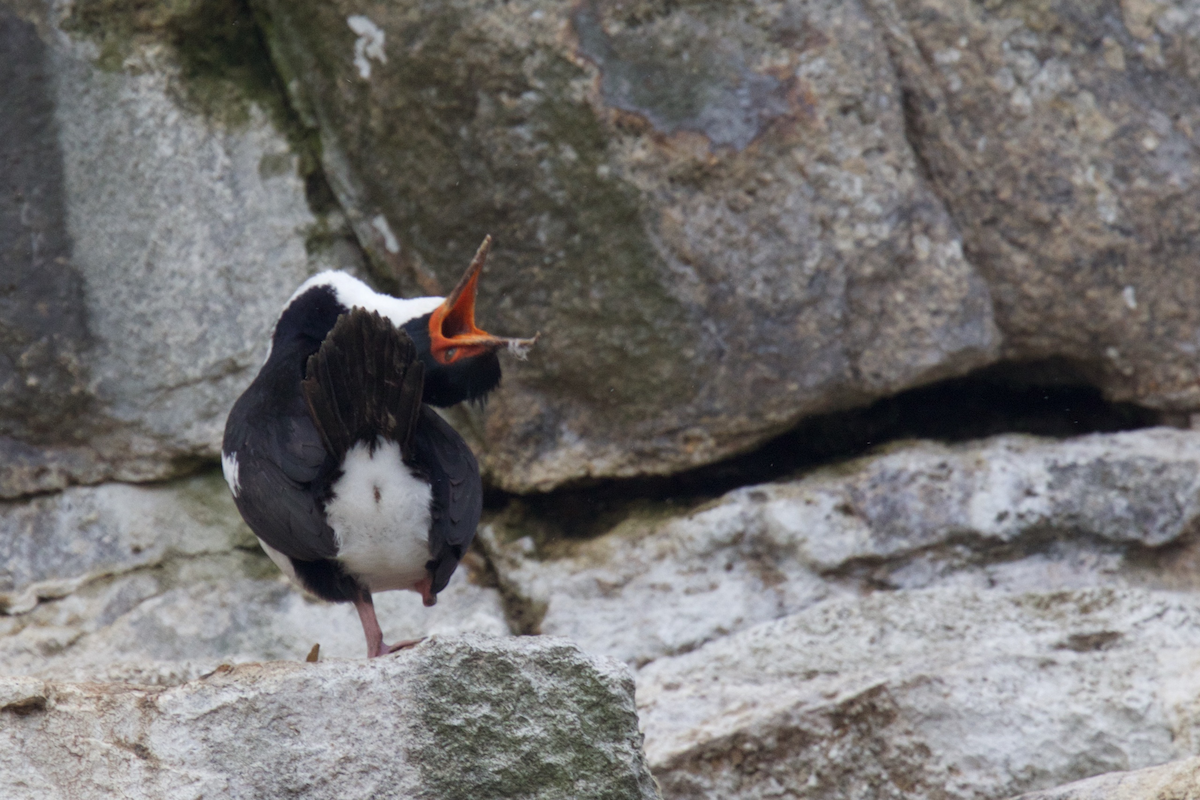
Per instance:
x=380, y=518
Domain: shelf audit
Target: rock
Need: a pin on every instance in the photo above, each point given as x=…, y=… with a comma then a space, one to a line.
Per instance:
x=1179, y=779
x=1013, y=511
x=172, y=624
x=710, y=212
x=458, y=717
x=51, y=545
x=19, y=695
x=1064, y=142
x=154, y=222
x=944, y=693
x=159, y=585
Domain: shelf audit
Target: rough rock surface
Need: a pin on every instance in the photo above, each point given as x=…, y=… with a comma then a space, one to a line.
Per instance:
x=153, y=223
x=467, y=717
x=1178, y=780
x=937, y=621
x=158, y=585
x=1064, y=138
x=710, y=211
x=1014, y=512
x=943, y=693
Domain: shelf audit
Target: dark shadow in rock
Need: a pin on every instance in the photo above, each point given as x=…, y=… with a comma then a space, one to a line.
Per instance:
x=1046, y=398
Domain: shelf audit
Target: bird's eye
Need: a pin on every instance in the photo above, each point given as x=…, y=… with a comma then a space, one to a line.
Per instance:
x=451, y=353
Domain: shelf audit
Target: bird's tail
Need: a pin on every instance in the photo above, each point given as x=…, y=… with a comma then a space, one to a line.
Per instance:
x=364, y=382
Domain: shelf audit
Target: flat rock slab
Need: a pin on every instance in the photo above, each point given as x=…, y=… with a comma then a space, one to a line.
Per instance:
x=160, y=584
x=53, y=544
x=468, y=717
x=1178, y=780
x=946, y=693
x=165, y=626
x=1013, y=511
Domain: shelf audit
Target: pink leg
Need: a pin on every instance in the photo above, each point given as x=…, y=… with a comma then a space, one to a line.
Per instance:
x=375, y=646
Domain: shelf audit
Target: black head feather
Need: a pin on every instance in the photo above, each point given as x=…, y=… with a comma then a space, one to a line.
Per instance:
x=470, y=378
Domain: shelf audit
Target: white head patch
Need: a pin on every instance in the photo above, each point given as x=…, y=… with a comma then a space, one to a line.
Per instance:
x=353, y=293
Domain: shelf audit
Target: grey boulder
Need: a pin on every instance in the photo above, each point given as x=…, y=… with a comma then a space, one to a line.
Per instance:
x=465, y=717
x=1012, y=512
x=941, y=693
x=1063, y=138
x=710, y=212
x=152, y=229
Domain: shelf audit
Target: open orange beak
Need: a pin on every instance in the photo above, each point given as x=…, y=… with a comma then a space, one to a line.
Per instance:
x=452, y=331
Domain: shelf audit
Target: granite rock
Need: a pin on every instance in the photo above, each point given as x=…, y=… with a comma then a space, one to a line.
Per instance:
x=942, y=693
x=710, y=212
x=1064, y=139
x=438, y=721
x=159, y=585
x=154, y=220
x=1014, y=512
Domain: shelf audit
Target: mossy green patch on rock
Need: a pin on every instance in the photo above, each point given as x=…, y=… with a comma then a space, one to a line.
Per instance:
x=459, y=135
x=205, y=499
x=220, y=67
x=119, y=26
x=223, y=63
x=540, y=743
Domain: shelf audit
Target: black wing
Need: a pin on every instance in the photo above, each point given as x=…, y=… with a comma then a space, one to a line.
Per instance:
x=364, y=382
x=457, y=500
x=280, y=465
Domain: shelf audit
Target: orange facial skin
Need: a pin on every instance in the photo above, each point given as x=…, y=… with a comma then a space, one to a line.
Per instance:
x=453, y=334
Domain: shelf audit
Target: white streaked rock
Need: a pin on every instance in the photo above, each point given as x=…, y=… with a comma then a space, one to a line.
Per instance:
x=160, y=584
x=945, y=693
x=1014, y=512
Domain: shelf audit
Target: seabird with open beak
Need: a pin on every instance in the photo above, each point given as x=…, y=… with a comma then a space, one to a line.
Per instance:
x=351, y=483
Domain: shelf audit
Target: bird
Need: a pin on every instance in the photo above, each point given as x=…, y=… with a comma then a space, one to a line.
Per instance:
x=337, y=461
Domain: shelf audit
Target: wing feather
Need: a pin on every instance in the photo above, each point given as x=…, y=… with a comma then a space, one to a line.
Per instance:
x=364, y=382
x=457, y=492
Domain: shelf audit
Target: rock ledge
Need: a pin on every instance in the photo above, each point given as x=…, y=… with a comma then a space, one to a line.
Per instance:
x=460, y=717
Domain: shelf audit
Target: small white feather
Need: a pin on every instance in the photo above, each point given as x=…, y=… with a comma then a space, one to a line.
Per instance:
x=229, y=466
x=283, y=562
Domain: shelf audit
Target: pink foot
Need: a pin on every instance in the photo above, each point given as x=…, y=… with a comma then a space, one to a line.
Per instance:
x=375, y=644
